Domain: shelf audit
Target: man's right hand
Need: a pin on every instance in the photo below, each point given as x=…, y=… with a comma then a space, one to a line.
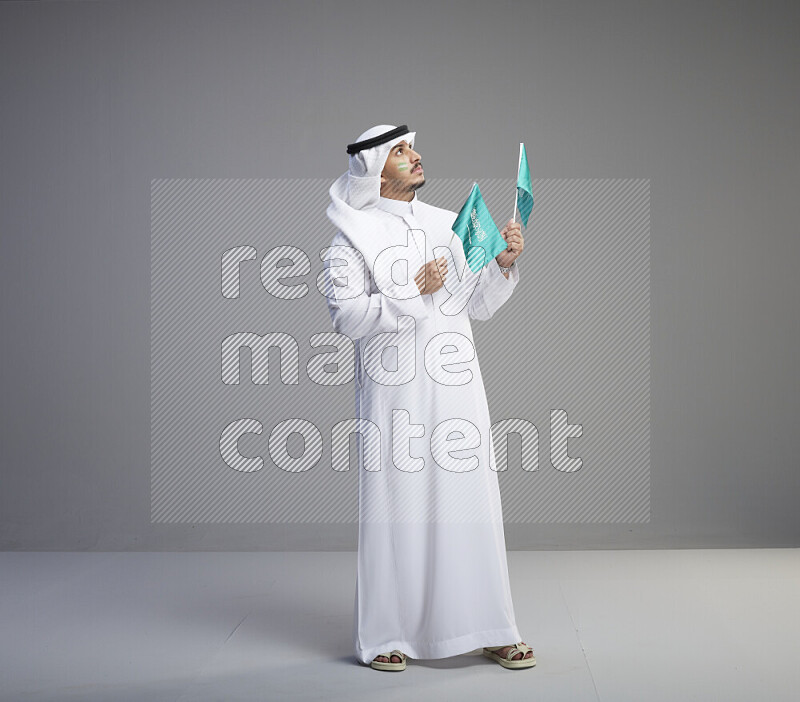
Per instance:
x=430, y=277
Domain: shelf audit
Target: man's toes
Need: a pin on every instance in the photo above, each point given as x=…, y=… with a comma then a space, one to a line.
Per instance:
x=381, y=659
x=399, y=660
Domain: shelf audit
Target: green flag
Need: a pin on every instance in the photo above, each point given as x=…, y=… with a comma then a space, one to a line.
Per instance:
x=477, y=231
x=524, y=188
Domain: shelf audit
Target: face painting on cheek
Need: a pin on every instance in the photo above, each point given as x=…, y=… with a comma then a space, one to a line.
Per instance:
x=402, y=167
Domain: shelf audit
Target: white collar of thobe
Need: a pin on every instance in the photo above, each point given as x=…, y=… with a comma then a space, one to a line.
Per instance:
x=408, y=211
x=399, y=207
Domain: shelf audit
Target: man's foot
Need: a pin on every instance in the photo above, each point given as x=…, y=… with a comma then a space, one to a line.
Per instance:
x=503, y=652
x=519, y=655
x=391, y=660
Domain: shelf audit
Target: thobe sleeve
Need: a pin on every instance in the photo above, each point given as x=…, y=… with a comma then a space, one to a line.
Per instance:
x=492, y=290
x=369, y=312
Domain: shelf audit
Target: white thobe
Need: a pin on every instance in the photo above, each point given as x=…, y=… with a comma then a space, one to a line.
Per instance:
x=432, y=577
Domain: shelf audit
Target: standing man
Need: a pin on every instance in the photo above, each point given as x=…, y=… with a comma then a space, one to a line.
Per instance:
x=432, y=577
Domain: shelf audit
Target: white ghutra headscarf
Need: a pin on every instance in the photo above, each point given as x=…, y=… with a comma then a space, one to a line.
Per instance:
x=356, y=193
x=359, y=188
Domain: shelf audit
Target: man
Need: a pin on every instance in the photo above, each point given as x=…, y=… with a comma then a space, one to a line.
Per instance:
x=432, y=577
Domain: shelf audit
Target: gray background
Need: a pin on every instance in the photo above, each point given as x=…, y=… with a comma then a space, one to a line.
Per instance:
x=100, y=98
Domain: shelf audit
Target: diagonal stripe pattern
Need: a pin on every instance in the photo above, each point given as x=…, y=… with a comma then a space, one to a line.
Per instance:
x=569, y=353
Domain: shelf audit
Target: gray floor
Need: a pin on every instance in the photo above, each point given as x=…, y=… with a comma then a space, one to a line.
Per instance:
x=605, y=625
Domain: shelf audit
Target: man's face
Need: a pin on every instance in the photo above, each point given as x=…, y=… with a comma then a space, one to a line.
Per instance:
x=403, y=173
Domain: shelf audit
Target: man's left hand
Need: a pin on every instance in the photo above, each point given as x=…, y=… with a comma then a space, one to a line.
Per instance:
x=512, y=233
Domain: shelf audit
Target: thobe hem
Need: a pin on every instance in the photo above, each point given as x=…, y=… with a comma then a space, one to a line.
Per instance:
x=457, y=635
x=445, y=648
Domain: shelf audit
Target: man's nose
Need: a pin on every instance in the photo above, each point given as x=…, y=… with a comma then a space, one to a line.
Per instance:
x=414, y=156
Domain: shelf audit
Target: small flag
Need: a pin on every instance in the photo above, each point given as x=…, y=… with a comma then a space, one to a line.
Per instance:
x=524, y=188
x=477, y=231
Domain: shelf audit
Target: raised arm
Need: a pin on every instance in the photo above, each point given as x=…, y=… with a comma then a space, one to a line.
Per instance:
x=492, y=290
